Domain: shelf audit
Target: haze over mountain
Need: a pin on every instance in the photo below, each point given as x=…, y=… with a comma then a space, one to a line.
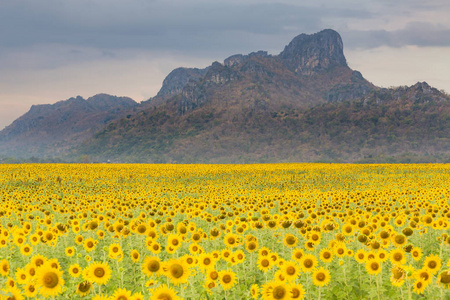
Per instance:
x=304, y=104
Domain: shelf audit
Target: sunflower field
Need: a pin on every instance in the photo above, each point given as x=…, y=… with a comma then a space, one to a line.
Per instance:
x=278, y=231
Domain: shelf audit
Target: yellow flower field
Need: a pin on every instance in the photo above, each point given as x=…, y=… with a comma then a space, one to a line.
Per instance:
x=280, y=231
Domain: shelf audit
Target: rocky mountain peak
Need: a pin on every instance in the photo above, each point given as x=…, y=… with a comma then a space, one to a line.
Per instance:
x=174, y=83
x=314, y=53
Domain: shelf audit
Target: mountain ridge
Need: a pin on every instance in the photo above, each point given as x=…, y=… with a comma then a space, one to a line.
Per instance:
x=304, y=104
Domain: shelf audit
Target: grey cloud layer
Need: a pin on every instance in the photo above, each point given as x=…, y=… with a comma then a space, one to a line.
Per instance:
x=157, y=24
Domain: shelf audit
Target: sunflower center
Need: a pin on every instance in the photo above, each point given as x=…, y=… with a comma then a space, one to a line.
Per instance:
x=398, y=256
x=399, y=239
x=308, y=263
x=206, y=261
x=38, y=262
x=419, y=285
x=398, y=273
x=176, y=270
x=265, y=263
x=99, y=272
x=425, y=276
x=84, y=287
x=445, y=277
x=290, y=270
x=432, y=264
x=50, y=280
x=31, y=288
x=279, y=292
x=326, y=255
x=214, y=275
x=153, y=266
x=295, y=293
x=374, y=266
x=164, y=296
x=320, y=276
x=90, y=244
x=175, y=242
x=290, y=240
x=226, y=278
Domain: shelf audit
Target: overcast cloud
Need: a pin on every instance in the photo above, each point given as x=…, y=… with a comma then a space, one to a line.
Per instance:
x=52, y=50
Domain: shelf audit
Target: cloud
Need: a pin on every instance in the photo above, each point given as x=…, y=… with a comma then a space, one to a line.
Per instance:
x=421, y=34
x=184, y=25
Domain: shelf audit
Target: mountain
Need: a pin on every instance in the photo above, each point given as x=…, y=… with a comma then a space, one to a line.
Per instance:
x=52, y=129
x=304, y=104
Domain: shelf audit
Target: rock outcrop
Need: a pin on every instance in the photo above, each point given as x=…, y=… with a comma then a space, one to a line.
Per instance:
x=311, y=54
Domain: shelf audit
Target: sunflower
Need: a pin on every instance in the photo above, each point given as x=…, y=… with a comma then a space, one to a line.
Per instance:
x=121, y=294
x=264, y=263
x=398, y=257
x=134, y=254
x=326, y=255
x=14, y=293
x=164, y=293
x=21, y=276
x=70, y=251
x=416, y=253
x=360, y=256
x=290, y=240
x=155, y=248
x=30, y=290
x=424, y=275
x=399, y=240
x=38, y=260
x=151, y=266
x=308, y=263
x=212, y=274
x=26, y=250
x=251, y=246
x=275, y=290
x=297, y=254
x=227, y=279
x=83, y=288
x=231, y=240
x=99, y=273
x=75, y=270
x=444, y=279
x=398, y=276
x=31, y=270
x=138, y=296
x=254, y=291
x=49, y=280
x=347, y=229
x=177, y=271
x=291, y=270
x=373, y=267
x=114, y=250
x=4, y=267
x=432, y=263
x=340, y=250
x=419, y=286
x=174, y=241
x=296, y=291
x=382, y=255
x=89, y=244
x=206, y=261
x=315, y=237
x=321, y=277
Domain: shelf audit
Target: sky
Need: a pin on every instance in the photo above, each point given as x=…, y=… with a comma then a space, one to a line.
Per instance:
x=51, y=50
